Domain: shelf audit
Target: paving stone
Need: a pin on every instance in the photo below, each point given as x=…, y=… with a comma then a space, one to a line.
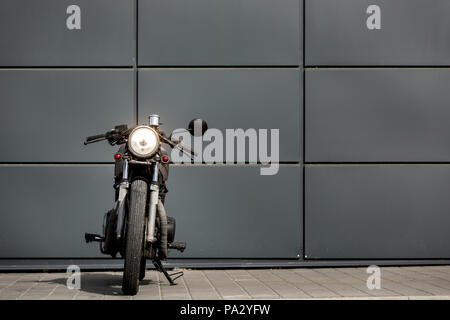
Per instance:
x=412, y=283
x=142, y=296
x=36, y=293
x=345, y=290
x=60, y=297
x=226, y=287
x=116, y=297
x=292, y=277
x=89, y=297
x=173, y=292
x=251, y=285
x=429, y=298
x=305, y=284
x=403, y=289
x=199, y=286
x=278, y=285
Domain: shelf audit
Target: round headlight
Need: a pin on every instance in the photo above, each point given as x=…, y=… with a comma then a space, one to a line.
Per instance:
x=143, y=142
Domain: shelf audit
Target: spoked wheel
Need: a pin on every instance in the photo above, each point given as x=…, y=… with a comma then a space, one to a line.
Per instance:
x=134, y=237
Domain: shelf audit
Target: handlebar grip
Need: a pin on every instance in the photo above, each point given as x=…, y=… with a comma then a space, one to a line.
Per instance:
x=92, y=139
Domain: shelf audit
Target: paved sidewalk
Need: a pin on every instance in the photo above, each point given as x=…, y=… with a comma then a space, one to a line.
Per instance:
x=431, y=282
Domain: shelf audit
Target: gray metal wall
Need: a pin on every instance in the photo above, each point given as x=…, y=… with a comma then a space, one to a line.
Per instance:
x=376, y=130
x=362, y=114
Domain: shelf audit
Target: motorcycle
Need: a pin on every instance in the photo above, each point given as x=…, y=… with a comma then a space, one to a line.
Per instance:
x=137, y=226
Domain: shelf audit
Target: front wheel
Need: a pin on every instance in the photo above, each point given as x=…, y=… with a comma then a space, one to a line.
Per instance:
x=134, y=237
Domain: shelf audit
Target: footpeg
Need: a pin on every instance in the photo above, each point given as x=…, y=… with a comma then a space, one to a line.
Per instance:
x=180, y=246
x=91, y=237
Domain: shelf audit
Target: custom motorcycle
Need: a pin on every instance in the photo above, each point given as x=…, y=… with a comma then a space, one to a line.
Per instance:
x=137, y=226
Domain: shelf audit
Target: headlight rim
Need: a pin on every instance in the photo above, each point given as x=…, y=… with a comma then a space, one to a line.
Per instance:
x=140, y=156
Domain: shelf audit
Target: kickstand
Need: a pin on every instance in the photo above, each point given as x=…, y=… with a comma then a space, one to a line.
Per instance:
x=159, y=267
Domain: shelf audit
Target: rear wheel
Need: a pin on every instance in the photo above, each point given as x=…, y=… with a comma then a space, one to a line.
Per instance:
x=134, y=237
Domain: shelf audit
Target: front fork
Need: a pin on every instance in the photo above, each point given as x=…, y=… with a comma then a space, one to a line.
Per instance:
x=154, y=196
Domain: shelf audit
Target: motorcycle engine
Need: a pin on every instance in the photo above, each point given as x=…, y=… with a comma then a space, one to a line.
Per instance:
x=110, y=245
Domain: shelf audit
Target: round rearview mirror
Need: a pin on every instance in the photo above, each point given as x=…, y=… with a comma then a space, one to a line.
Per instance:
x=197, y=127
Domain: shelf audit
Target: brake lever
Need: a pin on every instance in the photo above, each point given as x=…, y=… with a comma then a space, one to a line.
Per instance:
x=186, y=149
x=179, y=146
x=117, y=135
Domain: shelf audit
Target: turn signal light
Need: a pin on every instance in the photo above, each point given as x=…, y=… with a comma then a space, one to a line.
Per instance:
x=165, y=159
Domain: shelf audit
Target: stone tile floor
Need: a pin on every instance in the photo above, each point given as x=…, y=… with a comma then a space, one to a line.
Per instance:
x=431, y=282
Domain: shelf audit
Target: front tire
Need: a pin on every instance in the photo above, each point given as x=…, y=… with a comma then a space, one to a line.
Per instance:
x=134, y=237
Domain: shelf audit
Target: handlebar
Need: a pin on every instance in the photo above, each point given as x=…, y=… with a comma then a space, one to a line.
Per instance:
x=113, y=136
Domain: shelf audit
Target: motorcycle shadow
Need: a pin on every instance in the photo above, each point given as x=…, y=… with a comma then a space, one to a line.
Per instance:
x=99, y=283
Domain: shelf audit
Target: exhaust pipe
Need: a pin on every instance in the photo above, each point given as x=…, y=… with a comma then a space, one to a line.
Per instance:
x=163, y=251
